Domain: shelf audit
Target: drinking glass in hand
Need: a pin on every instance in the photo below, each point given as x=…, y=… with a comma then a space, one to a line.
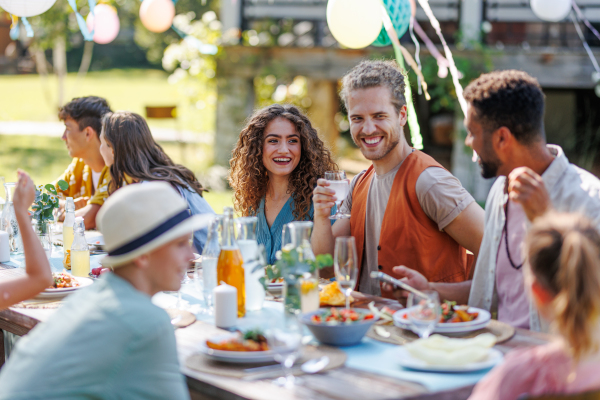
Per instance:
x=345, y=263
x=425, y=312
x=286, y=342
x=338, y=182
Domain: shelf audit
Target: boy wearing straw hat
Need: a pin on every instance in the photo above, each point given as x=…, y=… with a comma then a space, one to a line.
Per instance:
x=109, y=340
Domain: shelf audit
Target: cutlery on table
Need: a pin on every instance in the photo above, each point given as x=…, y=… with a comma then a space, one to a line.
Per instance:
x=310, y=367
x=381, y=331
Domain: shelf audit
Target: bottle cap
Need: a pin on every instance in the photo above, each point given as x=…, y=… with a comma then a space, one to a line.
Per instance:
x=78, y=219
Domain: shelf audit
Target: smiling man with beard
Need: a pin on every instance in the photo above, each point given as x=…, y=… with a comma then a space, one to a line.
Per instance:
x=506, y=129
x=406, y=209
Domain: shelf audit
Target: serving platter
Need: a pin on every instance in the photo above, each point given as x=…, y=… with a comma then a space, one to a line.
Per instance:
x=401, y=320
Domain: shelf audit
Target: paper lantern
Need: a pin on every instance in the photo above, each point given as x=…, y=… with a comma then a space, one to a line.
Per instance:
x=551, y=10
x=354, y=23
x=157, y=15
x=104, y=22
x=26, y=8
x=399, y=12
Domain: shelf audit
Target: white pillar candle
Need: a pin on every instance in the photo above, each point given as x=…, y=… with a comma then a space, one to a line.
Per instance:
x=225, y=300
x=4, y=247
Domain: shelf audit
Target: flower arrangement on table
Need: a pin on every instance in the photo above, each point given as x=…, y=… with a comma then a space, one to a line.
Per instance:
x=46, y=201
x=298, y=268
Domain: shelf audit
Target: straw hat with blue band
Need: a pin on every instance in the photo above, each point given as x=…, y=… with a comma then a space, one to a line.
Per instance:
x=138, y=219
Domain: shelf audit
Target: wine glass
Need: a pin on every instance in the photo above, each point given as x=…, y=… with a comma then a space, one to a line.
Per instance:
x=286, y=343
x=424, y=312
x=338, y=182
x=345, y=263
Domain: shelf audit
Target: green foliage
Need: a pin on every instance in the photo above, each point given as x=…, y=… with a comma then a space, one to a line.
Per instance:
x=442, y=91
x=46, y=200
x=192, y=71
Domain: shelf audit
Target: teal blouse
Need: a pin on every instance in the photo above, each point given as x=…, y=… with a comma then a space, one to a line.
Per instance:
x=271, y=237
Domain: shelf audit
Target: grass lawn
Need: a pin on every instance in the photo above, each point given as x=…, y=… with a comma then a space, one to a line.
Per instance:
x=45, y=158
x=132, y=90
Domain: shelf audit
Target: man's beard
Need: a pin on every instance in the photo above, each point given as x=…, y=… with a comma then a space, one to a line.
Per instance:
x=384, y=152
x=489, y=169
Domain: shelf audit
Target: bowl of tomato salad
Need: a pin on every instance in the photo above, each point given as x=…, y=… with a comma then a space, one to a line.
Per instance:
x=338, y=326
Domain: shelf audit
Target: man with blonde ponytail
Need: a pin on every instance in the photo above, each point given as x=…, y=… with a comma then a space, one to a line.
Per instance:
x=563, y=278
x=506, y=128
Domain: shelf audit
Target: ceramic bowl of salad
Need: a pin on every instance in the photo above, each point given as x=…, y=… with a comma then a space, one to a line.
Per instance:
x=338, y=326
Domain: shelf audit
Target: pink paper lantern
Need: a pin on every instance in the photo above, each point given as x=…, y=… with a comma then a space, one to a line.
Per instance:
x=157, y=15
x=104, y=22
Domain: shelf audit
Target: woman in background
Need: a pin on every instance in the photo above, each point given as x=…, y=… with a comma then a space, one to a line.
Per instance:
x=563, y=278
x=274, y=169
x=128, y=147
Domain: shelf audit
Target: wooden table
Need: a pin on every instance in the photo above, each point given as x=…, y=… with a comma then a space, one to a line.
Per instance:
x=339, y=384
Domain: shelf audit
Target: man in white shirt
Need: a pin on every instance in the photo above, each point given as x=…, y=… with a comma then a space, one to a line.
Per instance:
x=506, y=129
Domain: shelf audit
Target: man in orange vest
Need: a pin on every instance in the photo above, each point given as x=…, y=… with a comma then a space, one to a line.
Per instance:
x=406, y=209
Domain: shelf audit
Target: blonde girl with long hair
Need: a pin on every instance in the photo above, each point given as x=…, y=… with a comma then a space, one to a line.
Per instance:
x=563, y=278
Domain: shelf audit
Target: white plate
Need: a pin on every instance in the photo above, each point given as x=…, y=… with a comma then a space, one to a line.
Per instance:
x=94, y=238
x=238, y=357
x=458, y=327
x=62, y=292
x=406, y=360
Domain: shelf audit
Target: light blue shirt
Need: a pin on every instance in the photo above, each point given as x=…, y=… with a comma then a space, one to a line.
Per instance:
x=197, y=205
x=107, y=341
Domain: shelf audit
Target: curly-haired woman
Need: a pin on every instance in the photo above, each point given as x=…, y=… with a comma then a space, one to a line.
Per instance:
x=274, y=169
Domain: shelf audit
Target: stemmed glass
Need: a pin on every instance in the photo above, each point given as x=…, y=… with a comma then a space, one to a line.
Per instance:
x=345, y=263
x=338, y=182
x=424, y=312
x=286, y=343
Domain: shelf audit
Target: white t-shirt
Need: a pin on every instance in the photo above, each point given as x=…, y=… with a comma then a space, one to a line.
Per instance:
x=95, y=179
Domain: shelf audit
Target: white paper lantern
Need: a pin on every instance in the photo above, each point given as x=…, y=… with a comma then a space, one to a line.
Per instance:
x=551, y=10
x=26, y=8
x=354, y=23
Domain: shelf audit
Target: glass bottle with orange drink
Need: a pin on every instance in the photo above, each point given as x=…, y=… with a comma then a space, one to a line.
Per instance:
x=230, y=266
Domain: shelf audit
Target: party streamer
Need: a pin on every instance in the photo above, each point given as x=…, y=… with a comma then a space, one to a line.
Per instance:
x=586, y=46
x=87, y=35
x=413, y=12
x=442, y=63
x=453, y=71
x=413, y=123
x=583, y=19
x=27, y=26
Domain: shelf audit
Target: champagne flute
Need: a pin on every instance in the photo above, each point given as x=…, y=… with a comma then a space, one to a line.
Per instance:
x=424, y=312
x=345, y=263
x=338, y=182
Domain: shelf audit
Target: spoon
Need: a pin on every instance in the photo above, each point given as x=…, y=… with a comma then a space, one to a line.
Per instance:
x=315, y=365
x=381, y=331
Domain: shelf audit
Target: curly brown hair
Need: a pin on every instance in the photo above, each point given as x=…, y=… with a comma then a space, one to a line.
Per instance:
x=248, y=176
x=510, y=98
